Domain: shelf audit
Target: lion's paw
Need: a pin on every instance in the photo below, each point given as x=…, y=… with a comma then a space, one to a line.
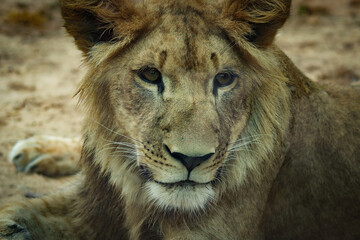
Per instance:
x=48, y=155
x=9, y=230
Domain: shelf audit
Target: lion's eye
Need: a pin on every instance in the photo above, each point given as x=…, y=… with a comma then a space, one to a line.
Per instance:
x=151, y=75
x=223, y=79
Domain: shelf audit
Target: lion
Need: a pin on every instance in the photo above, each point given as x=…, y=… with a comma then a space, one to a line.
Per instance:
x=199, y=127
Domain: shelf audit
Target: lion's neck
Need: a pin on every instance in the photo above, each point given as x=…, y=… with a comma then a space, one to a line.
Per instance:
x=103, y=203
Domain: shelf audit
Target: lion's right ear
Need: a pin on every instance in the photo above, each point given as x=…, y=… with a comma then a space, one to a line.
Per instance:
x=95, y=21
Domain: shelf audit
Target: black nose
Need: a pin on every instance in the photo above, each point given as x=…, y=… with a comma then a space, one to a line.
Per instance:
x=189, y=162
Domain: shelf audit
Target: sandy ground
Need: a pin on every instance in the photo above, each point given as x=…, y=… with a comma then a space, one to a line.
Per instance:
x=40, y=69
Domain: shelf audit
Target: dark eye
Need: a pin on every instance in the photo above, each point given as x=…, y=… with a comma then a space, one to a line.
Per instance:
x=223, y=79
x=151, y=75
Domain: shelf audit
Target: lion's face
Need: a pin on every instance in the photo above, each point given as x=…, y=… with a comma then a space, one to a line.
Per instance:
x=184, y=85
x=180, y=93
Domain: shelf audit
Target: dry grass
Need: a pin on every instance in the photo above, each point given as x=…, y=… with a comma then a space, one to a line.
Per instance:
x=19, y=86
x=341, y=75
x=26, y=18
x=354, y=3
x=305, y=9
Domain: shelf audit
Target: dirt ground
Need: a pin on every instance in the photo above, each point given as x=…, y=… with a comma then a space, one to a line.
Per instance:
x=40, y=69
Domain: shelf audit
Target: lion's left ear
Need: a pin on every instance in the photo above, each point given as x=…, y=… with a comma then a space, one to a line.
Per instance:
x=256, y=20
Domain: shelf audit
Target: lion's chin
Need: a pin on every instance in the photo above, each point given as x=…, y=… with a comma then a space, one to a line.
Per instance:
x=183, y=197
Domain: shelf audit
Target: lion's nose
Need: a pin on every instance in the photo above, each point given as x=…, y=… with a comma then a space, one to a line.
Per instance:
x=190, y=162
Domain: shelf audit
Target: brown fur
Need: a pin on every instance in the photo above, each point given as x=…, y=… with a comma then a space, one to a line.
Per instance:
x=284, y=150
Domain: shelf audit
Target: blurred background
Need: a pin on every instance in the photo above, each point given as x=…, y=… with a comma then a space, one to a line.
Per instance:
x=40, y=69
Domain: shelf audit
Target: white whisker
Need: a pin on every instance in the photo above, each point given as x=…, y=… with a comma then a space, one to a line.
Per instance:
x=253, y=137
x=240, y=145
x=228, y=47
x=117, y=148
x=131, y=153
x=117, y=133
x=123, y=144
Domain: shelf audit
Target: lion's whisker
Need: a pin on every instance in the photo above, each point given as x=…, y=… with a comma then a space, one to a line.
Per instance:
x=241, y=145
x=117, y=133
x=127, y=152
x=124, y=144
x=116, y=148
x=254, y=137
x=228, y=47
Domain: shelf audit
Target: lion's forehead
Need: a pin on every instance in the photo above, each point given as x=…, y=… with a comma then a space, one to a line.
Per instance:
x=183, y=44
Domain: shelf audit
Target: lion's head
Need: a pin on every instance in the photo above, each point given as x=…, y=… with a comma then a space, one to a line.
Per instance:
x=182, y=96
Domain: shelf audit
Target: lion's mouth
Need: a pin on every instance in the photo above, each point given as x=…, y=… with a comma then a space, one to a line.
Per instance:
x=146, y=174
x=185, y=183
